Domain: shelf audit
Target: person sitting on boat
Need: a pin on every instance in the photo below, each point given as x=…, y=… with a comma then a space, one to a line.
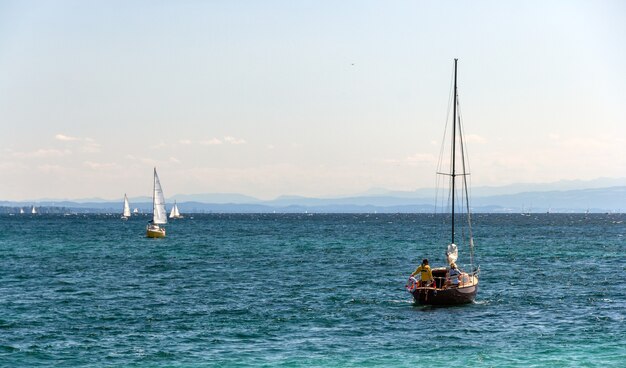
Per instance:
x=426, y=274
x=452, y=279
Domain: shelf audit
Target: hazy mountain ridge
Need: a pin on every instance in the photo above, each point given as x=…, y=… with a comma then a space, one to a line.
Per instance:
x=611, y=199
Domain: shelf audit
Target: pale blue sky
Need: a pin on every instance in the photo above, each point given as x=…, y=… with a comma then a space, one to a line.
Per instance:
x=313, y=98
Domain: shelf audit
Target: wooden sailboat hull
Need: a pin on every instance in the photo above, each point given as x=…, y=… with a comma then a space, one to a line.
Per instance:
x=453, y=296
x=443, y=293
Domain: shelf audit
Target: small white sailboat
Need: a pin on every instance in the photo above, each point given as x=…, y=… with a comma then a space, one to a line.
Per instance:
x=33, y=211
x=21, y=211
x=175, y=214
x=135, y=211
x=159, y=214
x=126, y=211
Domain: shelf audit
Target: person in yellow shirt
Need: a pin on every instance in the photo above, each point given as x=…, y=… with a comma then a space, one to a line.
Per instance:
x=426, y=274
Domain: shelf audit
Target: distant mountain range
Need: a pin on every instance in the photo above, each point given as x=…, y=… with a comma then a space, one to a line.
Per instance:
x=484, y=199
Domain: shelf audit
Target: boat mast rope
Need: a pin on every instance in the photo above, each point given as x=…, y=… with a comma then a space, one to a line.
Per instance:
x=466, y=169
x=438, y=178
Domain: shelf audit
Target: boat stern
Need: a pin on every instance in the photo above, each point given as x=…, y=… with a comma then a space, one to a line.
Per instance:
x=155, y=232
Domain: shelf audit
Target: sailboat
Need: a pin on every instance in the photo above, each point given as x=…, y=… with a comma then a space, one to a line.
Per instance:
x=135, y=211
x=461, y=288
x=175, y=214
x=126, y=211
x=33, y=211
x=21, y=211
x=159, y=214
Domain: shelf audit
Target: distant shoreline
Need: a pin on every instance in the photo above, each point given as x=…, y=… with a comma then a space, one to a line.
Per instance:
x=593, y=200
x=65, y=211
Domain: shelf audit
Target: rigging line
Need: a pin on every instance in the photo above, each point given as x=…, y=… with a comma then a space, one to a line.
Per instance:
x=465, y=162
x=465, y=149
x=446, y=174
x=469, y=216
x=438, y=192
x=446, y=215
x=450, y=164
x=445, y=130
x=463, y=228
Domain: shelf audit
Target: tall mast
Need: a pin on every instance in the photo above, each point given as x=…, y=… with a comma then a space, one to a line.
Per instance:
x=153, y=193
x=453, y=174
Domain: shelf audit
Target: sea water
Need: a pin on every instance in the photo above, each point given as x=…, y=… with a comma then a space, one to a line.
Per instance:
x=308, y=290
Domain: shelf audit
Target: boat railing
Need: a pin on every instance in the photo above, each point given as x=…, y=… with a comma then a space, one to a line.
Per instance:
x=476, y=271
x=466, y=279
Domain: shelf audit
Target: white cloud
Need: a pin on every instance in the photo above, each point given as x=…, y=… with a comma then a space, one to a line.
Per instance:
x=152, y=162
x=421, y=158
x=417, y=159
x=583, y=143
x=12, y=166
x=67, y=138
x=143, y=160
x=475, y=138
x=43, y=153
x=89, y=146
x=227, y=139
x=211, y=142
x=51, y=168
x=99, y=165
x=63, y=137
x=233, y=140
x=159, y=145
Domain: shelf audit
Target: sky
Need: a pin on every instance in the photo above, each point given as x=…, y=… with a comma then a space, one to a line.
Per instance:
x=312, y=98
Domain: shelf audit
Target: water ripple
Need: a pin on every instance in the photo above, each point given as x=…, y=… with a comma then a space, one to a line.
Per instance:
x=296, y=290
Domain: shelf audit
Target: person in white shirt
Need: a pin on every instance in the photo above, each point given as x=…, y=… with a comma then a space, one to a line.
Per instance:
x=452, y=279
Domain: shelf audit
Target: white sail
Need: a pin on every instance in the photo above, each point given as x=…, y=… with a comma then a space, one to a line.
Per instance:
x=452, y=254
x=126, y=212
x=34, y=210
x=174, y=213
x=21, y=210
x=136, y=210
x=159, y=214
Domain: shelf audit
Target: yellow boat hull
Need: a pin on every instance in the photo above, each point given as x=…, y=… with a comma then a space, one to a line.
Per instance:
x=155, y=233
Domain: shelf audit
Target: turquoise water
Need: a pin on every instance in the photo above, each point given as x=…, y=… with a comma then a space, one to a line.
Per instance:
x=307, y=290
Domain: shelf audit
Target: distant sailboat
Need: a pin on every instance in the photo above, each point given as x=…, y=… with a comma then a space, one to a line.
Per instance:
x=159, y=214
x=175, y=214
x=33, y=211
x=135, y=211
x=126, y=212
x=21, y=211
